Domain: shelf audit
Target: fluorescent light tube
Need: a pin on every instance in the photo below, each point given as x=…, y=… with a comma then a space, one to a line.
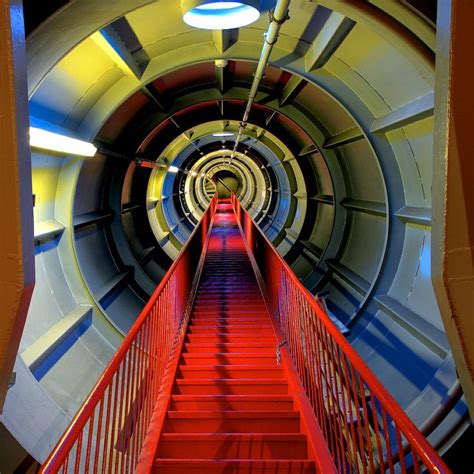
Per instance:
x=55, y=142
x=223, y=134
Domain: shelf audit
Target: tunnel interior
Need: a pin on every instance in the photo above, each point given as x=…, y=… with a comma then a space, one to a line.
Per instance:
x=227, y=183
x=335, y=165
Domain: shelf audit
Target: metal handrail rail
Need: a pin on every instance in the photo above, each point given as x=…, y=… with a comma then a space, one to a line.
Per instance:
x=365, y=428
x=113, y=420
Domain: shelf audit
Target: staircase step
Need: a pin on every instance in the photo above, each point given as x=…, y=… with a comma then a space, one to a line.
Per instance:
x=231, y=328
x=234, y=337
x=228, y=274
x=234, y=466
x=261, y=372
x=235, y=286
x=230, y=313
x=211, y=272
x=222, y=358
x=232, y=307
x=250, y=292
x=230, y=321
x=234, y=283
x=264, y=347
x=232, y=422
x=232, y=402
x=232, y=446
x=230, y=387
x=225, y=292
x=244, y=300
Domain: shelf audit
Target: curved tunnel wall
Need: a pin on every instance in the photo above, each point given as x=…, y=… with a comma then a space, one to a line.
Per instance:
x=335, y=166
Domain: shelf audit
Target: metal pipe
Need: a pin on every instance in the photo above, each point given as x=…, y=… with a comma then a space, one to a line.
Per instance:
x=277, y=18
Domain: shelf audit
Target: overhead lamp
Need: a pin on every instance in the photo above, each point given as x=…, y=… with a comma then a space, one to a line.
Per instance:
x=45, y=140
x=218, y=15
x=223, y=134
x=221, y=63
x=173, y=169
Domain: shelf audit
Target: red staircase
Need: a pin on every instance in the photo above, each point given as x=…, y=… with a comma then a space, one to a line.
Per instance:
x=230, y=410
x=195, y=386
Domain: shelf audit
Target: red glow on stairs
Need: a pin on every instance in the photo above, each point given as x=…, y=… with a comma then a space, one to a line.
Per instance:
x=230, y=410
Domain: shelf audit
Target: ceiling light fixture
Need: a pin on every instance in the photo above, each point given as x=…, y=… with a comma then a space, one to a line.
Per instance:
x=223, y=134
x=45, y=140
x=218, y=15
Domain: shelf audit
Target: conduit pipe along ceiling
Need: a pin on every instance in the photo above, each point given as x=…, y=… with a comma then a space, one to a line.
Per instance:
x=334, y=161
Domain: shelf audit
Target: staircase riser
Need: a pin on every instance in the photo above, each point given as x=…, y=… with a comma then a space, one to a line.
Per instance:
x=232, y=426
x=223, y=310
x=230, y=316
x=232, y=467
x=230, y=338
x=231, y=321
x=227, y=302
x=218, y=289
x=240, y=449
x=230, y=329
x=303, y=467
x=232, y=405
x=196, y=372
x=256, y=389
x=255, y=359
x=232, y=298
x=267, y=348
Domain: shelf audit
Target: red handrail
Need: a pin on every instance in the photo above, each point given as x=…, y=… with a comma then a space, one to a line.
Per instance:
x=365, y=428
x=108, y=432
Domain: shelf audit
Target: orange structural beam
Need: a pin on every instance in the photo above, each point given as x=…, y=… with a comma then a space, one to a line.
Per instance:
x=453, y=185
x=16, y=233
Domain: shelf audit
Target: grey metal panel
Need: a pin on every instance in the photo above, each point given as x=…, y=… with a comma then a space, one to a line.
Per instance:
x=30, y=414
x=92, y=247
x=123, y=308
x=43, y=348
x=402, y=364
x=365, y=245
x=78, y=382
x=44, y=310
x=425, y=332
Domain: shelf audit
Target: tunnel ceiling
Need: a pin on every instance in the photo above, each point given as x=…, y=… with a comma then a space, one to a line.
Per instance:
x=335, y=165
